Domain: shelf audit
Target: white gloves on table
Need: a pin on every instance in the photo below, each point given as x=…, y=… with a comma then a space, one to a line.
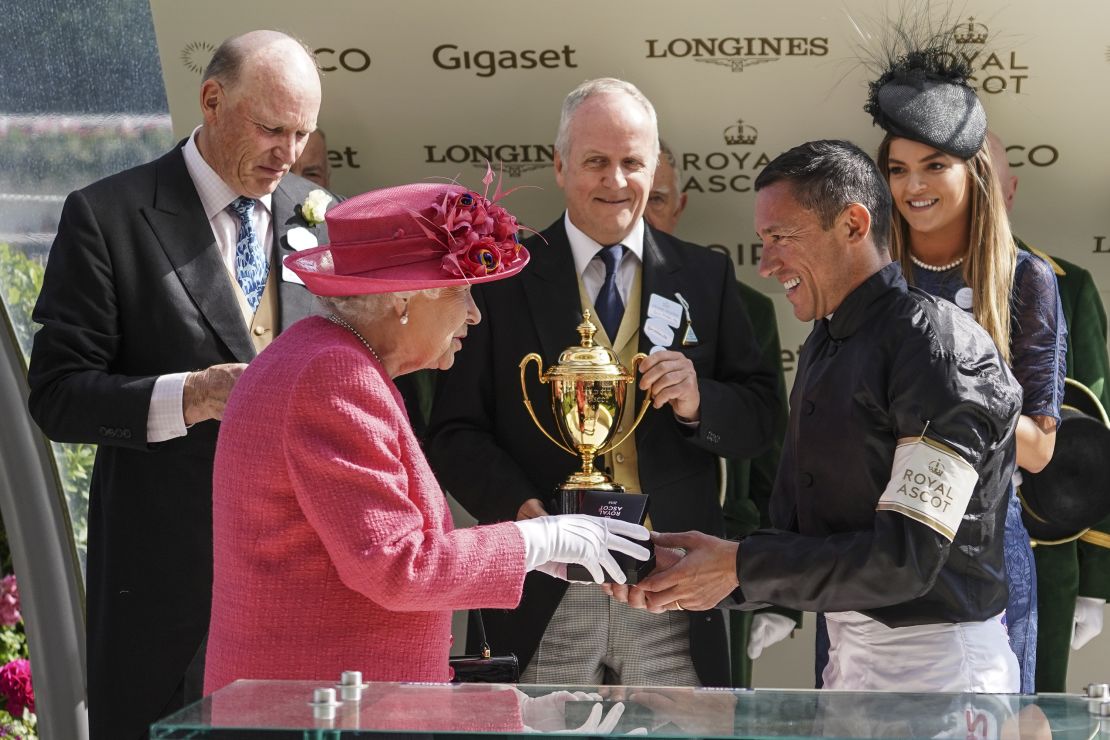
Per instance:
x=547, y=713
x=767, y=629
x=551, y=542
x=1088, y=620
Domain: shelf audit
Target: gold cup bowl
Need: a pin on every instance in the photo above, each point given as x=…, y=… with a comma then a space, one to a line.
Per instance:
x=588, y=390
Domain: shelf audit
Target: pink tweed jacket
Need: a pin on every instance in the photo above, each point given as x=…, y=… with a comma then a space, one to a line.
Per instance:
x=333, y=544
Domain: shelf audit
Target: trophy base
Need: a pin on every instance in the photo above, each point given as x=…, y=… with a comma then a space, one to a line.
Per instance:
x=611, y=504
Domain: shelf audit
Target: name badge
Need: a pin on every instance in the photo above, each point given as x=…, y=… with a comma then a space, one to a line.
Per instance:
x=298, y=239
x=658, y=332
x=668, y=311
x=930, y=484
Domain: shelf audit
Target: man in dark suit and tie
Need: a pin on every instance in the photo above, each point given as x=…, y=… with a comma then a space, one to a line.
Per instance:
x=163, y=282
x=712, y=395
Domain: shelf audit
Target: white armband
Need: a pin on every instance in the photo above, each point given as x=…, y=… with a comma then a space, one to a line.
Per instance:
x=930, y=484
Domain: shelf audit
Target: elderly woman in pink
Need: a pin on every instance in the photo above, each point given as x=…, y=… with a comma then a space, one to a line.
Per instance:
x=334, y=548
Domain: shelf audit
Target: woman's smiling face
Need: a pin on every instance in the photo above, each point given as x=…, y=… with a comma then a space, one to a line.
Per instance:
x=931, y=189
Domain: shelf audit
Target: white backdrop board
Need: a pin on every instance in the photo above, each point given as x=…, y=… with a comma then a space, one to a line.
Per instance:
x=431, y=89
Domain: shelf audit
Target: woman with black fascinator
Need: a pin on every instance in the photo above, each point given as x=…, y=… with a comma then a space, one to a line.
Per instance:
x=951, y=234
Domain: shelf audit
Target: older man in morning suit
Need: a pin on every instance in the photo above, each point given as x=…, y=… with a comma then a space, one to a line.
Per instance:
x=712, y=395
x=163, y=282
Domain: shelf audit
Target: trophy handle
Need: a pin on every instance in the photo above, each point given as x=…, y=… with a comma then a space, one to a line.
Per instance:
x=528, y=403
x=640, y=357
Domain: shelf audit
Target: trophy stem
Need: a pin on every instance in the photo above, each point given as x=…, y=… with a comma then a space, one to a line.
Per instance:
x=587, y=462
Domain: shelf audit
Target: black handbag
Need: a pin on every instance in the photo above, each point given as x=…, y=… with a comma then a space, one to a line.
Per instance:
x=484, y=668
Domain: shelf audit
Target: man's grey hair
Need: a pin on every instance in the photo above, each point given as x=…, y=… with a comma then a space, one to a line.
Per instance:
x=665, y=152
x=589, y=88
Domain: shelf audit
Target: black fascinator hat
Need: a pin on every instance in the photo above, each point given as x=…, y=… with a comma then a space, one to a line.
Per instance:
x=922, y=92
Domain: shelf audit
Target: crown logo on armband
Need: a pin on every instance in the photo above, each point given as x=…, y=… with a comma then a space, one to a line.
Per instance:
x=936, y=467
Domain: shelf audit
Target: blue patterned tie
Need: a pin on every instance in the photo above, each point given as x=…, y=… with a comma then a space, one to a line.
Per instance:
x=610, y=307
x=251, y=266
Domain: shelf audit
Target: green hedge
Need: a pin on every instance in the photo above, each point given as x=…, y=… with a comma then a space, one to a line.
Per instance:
x=55, y=162
x=20, y=282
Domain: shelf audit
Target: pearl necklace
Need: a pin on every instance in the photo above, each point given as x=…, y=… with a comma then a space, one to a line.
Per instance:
x=936, y=268
x=340, y=322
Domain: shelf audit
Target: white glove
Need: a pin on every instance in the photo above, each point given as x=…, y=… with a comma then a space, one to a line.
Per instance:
x=1088, y=620
x=547, y=713
x=551, y=542
x=767, y=629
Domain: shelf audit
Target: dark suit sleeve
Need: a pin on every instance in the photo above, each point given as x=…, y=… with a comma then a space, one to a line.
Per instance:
x=1090, y=366
x=76, y=395
x=740, y=403
x=462, y=444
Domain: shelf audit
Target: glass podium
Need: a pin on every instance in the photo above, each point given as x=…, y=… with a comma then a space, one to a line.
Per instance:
x=272, y=710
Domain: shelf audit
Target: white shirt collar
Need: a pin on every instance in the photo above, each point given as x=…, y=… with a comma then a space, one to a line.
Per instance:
x=585, y=249
x=215, y=195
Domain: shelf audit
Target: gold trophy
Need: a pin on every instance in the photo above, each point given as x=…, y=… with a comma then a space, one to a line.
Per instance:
x=588, y=390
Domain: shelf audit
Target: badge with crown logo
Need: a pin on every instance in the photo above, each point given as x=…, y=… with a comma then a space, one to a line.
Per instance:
x=936, y=467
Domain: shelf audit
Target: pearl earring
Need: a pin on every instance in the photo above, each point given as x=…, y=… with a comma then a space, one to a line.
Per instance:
x=405, y=315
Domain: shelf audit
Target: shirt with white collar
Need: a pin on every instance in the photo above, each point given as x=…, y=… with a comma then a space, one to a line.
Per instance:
x=166, y=415
x=592, y=271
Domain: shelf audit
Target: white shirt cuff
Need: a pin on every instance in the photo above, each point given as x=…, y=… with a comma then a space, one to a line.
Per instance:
x=691, y=424
x=165, y=419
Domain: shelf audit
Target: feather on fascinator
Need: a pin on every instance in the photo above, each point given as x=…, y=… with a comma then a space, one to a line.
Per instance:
x=922, y=92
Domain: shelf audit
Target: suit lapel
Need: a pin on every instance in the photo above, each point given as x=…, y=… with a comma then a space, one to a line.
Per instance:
x=295, y=301
x=550, y=286
x=181, y=226
x=661, y=265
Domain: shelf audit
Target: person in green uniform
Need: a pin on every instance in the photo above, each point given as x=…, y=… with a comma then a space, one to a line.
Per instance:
x=1073, y=578
x=748, y=482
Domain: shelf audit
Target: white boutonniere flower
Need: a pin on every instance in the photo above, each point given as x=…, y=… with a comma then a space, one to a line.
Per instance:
x=315, y=206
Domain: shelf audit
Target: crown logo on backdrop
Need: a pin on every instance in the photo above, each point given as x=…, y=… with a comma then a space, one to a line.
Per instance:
x=741, y=133
x=737, y=64
x=936, y=467
x=971, y=32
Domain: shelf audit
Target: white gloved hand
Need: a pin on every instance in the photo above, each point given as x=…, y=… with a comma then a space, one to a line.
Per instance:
x=767, y=629
x=598, y=723
x=551, y=542
x=1088, y=620
x=547, y=713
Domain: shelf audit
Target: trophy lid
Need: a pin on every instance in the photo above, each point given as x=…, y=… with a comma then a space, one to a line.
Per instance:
x=587, y=360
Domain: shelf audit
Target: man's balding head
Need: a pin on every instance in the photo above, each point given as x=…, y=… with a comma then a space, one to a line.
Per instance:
x=260, y=98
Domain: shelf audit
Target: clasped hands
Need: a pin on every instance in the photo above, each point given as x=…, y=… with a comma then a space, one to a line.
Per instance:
x=694, y=571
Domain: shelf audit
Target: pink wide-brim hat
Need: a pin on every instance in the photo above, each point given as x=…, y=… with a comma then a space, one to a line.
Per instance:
x=411, y=237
